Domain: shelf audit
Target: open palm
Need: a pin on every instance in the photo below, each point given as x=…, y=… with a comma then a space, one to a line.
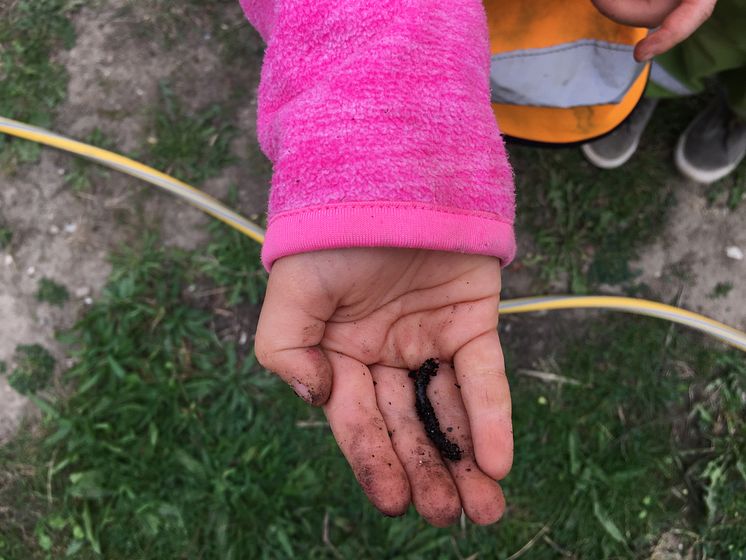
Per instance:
x=345, y=327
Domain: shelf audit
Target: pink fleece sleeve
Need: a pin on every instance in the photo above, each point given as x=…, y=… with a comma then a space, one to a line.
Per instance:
x=376, y=116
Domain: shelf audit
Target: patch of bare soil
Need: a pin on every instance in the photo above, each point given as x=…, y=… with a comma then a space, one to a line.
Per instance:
x=702, y=247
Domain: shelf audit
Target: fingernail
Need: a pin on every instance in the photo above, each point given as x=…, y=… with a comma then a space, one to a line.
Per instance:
x=302, y=391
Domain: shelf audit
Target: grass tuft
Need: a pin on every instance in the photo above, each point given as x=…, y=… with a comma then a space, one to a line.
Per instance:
x=231, y=259
x=192, y=147
x=52, y=292
x=730, y=190
x=33, y=370
x=6, y=236
x=721, y=290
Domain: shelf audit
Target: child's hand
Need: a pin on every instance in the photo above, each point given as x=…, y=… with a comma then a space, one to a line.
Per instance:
x=675, y=20
x=345, y=327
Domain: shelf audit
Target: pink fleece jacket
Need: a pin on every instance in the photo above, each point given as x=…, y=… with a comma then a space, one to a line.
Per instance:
x=376, y=116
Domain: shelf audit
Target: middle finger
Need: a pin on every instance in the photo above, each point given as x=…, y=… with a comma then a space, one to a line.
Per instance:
x=434, y=493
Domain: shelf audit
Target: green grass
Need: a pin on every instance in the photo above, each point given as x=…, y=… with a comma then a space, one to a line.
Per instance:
x=721, y=290
x=23, y=502
x=172, y=443
x=6, y=236
x=731, y=190
x=192, y=147
x=230, y=260
x=589, y=224
x=31, y=83
x=33, y=370
x=52, y=292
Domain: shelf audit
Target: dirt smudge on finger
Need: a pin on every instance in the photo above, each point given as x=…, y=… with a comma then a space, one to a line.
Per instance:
x=433, y=490
x=377, y=470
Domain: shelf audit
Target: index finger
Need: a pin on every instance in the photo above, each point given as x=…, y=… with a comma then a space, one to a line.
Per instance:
x=678, y=25
x=480, y=370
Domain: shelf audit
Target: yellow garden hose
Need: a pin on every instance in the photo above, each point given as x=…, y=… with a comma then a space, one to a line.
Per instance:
x=204, y=202
x=215, y=208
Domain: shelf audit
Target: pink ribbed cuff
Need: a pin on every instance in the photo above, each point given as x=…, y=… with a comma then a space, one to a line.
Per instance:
x=376, y=224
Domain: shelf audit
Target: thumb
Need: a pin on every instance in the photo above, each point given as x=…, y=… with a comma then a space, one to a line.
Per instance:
x=291, y=326
x=677, y=26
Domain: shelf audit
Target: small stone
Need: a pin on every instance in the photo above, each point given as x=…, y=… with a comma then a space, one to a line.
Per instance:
x=243, y=338
x=734, y=253
x=71, y=227
x=54, y=230
x=140, y=92
x=31, y=270
x=152, y=140
x=88, y=301
x=8, y=260
x=61, y=171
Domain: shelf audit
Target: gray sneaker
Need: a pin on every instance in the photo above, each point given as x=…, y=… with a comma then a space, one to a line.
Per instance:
x=713, y=144
x=615, y=149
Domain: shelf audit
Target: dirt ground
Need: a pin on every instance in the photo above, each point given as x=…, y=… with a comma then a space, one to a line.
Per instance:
x=115, y=68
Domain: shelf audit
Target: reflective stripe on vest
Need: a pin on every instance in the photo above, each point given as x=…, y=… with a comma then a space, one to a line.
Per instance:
x=560, y=71
x=584, y=72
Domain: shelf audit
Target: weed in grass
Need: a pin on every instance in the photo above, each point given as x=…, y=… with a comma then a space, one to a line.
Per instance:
x=717, y=469
x=731, y=190
x=190, y=147
x=721, y=290
x=31, y=83
x=23, y=501
x=6, y=236
x=83, y=172
x=52, y=292
x=231, y=259
x=34, y=366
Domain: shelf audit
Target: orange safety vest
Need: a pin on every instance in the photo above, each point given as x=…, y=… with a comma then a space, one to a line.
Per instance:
x=561, y=72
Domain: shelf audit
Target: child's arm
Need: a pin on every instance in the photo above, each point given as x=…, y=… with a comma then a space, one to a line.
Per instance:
x=377, y=118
